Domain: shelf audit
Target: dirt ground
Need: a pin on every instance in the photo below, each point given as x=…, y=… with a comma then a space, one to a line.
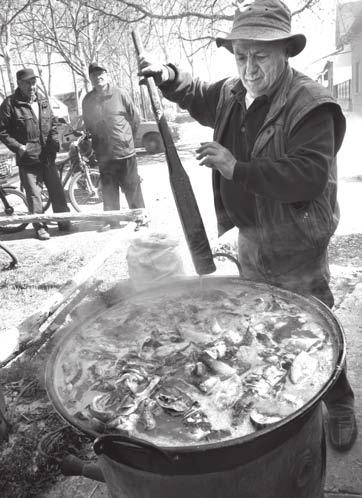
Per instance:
x=39, y=437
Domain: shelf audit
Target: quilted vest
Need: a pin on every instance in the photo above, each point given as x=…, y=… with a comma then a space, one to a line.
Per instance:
x=285, y=227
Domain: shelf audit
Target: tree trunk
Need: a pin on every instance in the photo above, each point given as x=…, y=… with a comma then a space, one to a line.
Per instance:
x=76, y=94
x=9, y=68
x=3, y=80
x=7, y=59
x=49, y=60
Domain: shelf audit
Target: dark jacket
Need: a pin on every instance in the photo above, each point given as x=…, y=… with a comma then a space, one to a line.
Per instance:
x=112, y=119
x=280, y=225
x=19, y=126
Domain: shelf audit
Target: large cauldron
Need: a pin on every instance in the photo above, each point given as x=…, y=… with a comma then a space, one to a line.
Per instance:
x=285, y=460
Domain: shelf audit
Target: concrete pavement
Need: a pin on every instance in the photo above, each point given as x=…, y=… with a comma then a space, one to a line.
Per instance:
x=344, y=470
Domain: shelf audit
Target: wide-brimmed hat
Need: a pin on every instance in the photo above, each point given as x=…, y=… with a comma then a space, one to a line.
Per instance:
x=263, y=20
x=94, y=66
x=25, y=74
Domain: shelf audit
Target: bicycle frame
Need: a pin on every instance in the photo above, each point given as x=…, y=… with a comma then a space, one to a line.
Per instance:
x=81, y=163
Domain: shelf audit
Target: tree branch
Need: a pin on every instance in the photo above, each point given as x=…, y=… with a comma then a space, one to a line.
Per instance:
x=116, y=16
x=307, y=5
x=18, y=12
x=166, y=17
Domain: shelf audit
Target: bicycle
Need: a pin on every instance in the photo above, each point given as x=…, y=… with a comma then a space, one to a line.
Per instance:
x=14, y=259
x=79, y=172
x=12, y=200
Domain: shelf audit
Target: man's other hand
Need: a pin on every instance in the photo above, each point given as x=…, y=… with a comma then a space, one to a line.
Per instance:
x=213, y=155
x=149, y=66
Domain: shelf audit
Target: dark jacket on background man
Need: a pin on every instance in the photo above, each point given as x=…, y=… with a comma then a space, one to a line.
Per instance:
x=19, y=126
x=112, y=120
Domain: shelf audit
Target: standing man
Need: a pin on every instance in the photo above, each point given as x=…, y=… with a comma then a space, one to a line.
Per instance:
x=110, y=116
x=27, y=127
x=273, y=160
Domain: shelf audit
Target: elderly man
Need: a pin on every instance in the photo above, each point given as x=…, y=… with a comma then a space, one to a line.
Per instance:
x=110, y=116
x=28, y=128
x=273, y=159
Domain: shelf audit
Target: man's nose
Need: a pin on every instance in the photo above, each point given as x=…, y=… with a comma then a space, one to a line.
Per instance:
x=251, y=66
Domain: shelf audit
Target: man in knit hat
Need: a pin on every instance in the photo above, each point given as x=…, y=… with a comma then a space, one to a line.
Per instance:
x=273, y=161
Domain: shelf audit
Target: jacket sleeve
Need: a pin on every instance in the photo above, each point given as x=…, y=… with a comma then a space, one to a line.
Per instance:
x=53, y=128
x=301, y=174
x=199, y=98
x=132, y=114
x=87, y=123
x=5, y=128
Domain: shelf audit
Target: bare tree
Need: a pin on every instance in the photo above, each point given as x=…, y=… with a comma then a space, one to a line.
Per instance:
x=10, y=11
x=186, y=26
x=76, y=32
x=173, y=10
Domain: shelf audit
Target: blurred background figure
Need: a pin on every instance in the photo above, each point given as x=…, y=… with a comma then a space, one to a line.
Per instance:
x=111, y=118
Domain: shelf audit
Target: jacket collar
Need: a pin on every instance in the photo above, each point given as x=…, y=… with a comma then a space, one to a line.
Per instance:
x=279, y=98
x=107, y=93
x=19, y=99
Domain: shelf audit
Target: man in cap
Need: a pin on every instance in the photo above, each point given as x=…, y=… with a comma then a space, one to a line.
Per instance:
x=273, y=161
x=110, y=116
x=28, y=128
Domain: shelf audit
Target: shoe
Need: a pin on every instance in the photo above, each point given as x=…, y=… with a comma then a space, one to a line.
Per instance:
x=104, y=228
x=342, y=428
x=109, y=226
x=65, y=226
x=42, y=234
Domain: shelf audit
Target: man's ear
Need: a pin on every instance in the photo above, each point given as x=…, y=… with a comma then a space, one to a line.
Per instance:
x=288, y=49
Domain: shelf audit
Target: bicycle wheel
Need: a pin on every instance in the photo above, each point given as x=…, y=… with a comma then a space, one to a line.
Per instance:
x=81, y=195
x=17, y=201
x=45, y=199
x=14, y=259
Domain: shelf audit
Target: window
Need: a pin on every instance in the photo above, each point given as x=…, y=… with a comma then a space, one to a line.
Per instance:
x=343, y=90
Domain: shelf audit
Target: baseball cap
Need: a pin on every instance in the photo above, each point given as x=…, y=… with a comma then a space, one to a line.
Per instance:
x=93, y=66
x=25, y=74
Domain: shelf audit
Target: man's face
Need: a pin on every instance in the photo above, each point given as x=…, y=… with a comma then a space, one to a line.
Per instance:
x=259, y=64
x=28, y=88
x=99, y=78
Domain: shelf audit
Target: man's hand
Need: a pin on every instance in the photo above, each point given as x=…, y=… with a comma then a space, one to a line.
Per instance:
x=213, y=155
x=149, y=66
x=21, y=150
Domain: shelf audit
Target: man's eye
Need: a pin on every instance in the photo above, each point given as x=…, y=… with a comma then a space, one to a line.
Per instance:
x=261, y=57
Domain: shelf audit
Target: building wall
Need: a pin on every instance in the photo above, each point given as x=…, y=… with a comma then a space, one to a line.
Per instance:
x=356, y=90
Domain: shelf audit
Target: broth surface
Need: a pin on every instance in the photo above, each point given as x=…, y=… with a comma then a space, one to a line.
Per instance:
x=194, y=367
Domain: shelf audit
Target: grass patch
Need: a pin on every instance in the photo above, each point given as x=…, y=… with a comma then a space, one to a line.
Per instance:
x=27, y=469
x=29, y=460
x=23, y=289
